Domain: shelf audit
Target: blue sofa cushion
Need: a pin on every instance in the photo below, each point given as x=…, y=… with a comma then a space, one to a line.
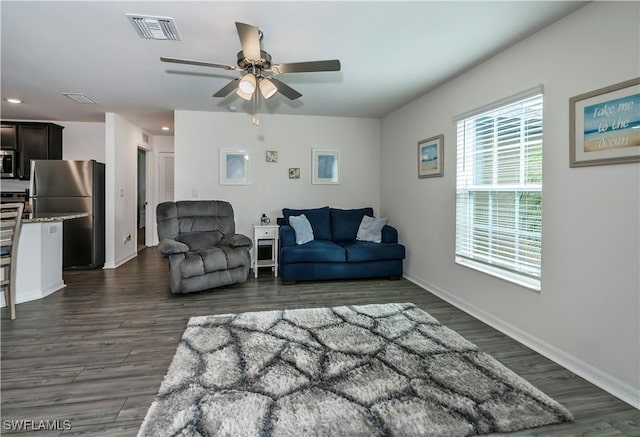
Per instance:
x=345, y=222
x=319, y=218
x=363, y=251
x=316, y=251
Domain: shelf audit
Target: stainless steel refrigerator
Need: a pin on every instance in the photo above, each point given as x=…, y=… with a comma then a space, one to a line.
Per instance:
x=59, y=186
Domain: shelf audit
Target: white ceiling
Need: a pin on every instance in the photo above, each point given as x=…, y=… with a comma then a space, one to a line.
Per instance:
x=391, y=53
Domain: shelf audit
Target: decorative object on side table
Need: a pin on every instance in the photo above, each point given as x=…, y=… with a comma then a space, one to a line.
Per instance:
x=431, y=157
x=264, y=220
x=325, y=167
x=605, y=125
x=269, y=233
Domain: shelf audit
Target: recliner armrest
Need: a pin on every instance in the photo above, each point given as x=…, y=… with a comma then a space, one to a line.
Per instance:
x=236, y=240
x=389, y=234
x=168, y=247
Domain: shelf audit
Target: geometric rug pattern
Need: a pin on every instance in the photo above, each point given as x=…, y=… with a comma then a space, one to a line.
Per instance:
x=369, y=370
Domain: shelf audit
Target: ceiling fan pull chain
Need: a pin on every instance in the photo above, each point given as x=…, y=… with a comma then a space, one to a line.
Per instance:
x=255, y=120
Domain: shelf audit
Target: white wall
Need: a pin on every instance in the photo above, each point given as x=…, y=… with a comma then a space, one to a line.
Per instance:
x=587, y=315
x=122, y=139
x=200, y=135
x=161, y=144
x=83, y=140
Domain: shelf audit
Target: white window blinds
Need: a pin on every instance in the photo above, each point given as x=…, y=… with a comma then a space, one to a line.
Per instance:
x=499, y=191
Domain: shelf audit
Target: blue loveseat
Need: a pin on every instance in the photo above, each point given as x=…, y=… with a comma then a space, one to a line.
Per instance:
x=335, y=253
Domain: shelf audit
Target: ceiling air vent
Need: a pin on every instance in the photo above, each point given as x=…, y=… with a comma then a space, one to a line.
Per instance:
x=149, y=27
x=80, y=98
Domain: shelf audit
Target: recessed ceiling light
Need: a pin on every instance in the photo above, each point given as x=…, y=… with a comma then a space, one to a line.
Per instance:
x=165, y=128
x=12, y=100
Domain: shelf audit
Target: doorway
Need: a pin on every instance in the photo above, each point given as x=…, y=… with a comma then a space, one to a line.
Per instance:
x=141, y=215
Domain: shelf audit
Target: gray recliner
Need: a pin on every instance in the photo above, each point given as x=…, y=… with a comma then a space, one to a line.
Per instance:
x=200, y=241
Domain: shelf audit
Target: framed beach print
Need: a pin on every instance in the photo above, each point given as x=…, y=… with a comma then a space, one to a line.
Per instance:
x=431, y=157
x=271, y=156
x=294, y=173
x=235, y=168
x=325, y=166
x=604, y=125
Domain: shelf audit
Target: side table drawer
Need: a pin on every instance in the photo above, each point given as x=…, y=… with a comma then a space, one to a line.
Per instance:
x=266, y=233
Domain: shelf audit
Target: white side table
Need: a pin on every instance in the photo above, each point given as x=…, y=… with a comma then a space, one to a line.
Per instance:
x=265, y=232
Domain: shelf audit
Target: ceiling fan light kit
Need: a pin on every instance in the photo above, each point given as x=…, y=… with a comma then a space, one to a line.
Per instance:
x=255, y=63
x=247, y=83
x=242, y=94
x=267, y=88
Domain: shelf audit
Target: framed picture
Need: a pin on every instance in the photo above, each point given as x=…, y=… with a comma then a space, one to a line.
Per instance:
x=235, y=168
x=294, y=173
x=326, y=166
x=272, y=156
x=431, y=157
x=605, y=125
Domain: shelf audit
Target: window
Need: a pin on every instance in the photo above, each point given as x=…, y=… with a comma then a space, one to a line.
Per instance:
x=499, y=190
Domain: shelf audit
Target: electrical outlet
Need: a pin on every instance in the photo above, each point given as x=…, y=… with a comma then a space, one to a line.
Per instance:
x=194, y=193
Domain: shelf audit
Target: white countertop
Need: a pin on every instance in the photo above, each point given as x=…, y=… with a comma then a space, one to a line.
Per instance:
x=52, y=217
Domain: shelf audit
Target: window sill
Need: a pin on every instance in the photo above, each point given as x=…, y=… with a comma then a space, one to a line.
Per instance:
x=515, y=278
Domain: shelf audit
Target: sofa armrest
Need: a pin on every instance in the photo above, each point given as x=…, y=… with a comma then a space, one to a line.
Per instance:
x=168, y=247
x=389, y=234
x=287, y=236
x=236, y=240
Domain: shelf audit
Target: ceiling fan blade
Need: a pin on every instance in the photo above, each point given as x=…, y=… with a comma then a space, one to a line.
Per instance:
x=225, y=90
x=250, y=40
x=285, y=89
x=304, y=67
x=199, y=63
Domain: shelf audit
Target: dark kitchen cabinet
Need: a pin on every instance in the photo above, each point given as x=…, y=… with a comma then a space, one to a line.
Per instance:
x=8, y=137
x=31, y=140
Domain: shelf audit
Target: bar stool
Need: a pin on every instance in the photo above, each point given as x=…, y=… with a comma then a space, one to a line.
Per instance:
x=11, y=219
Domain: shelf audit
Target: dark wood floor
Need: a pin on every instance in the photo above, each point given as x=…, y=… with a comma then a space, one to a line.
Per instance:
x=95, y=353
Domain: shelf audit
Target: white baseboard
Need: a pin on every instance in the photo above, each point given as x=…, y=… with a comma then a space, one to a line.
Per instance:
x=122, y=261
x=617, y=388
x=28, y=296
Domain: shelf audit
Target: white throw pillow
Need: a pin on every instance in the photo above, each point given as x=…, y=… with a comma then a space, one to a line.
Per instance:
x=371, y=229
x=302, y=228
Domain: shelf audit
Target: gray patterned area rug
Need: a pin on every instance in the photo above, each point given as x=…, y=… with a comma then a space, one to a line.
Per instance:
x=371, y=370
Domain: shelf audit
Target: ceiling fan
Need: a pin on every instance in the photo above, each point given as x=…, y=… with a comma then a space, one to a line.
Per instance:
x=257, y=69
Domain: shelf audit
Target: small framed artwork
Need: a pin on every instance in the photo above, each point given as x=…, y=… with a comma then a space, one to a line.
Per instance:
x=325, y=164
x=431, y=157
x=604, y=125
x=272, y=156
x=294, y=173
x=235, y=168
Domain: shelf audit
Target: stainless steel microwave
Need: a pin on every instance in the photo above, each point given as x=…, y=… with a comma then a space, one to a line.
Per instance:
x=9, y=164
